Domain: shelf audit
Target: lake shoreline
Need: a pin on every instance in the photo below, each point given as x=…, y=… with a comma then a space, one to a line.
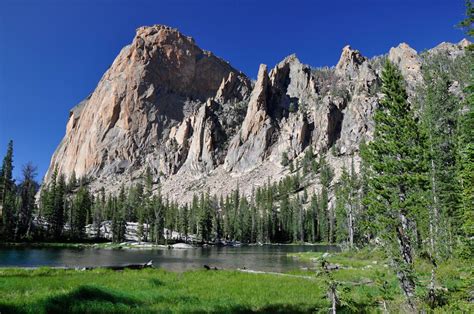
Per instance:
x=133, y=245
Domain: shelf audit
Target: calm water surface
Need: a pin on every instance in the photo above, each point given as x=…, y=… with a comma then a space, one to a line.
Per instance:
x=263, y=258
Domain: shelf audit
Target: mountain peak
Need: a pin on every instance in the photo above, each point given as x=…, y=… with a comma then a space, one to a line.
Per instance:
x=163, y=34
x=408, y=61
x=349, y=62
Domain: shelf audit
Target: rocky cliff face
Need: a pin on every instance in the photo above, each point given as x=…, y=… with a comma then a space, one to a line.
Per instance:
x=156, y=82
x=198, y=123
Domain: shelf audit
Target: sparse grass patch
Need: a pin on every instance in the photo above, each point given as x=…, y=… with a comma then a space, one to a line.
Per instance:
x=365, y=278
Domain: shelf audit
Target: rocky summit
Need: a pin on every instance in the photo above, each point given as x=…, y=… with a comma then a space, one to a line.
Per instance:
x=199, y=124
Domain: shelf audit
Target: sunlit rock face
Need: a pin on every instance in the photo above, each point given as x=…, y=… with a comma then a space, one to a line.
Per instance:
x=154, y=84
x=199, y=124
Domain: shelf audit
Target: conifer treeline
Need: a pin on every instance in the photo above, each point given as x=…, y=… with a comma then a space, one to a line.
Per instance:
x=275, y=212
x=17, y=202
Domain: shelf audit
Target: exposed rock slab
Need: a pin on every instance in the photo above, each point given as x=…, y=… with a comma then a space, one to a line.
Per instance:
x=199, y=124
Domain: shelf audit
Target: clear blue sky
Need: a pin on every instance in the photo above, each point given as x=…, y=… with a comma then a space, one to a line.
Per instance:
x=53, y=53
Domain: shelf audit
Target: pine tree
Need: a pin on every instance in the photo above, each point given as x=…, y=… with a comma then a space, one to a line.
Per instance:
x=341, y=207
x=367, y=228
x=205, y=217
x=326, y=214
x=122, y=214
x=81, y=206
x=145, y=210
x=235, y=215
x=27, y=191
x=184, y=222
x=245, y=221
x=72, y=183
x=284, y=224
x=58, y=206
x=254, y=222
x=347, y=204
x=217, y=223
x=397, y=187
x=440, y=110
x=7, y=193
x=194, y=212
x=119, y=223
x=116, y=222
x=323, y=215
x=465, y=161
x=48, y=202
x=98, y=211
x=158, y=217
x=314, y=220
x=301, y=217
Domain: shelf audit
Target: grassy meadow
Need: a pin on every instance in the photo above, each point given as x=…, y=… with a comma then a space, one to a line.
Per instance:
x=364, y=283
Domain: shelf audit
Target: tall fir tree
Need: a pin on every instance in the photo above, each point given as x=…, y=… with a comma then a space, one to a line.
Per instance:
x=205, y=217
x=158, y=217
x=27, y=191
x=52, y=212
x=347, y=206
x=326, y=214
x=81, y=206
x=314, y=219
x=59, y=206
x=465, y=161
x=397, y=187
x=7, y=194
x=341, y=207
x=99, y=207
x=184, y=222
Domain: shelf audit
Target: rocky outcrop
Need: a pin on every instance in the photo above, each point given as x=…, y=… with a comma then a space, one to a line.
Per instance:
x=199, y=124
x=407, y=59
x=328, y=119
x=250, y=145
x=207, y=133
x=233, y=88
x=451, y=50
x=292, y=83
x=152, y=86
x=294, y=137
x=349, y=62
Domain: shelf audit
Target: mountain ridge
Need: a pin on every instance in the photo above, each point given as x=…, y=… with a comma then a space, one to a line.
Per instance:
x=198, y=123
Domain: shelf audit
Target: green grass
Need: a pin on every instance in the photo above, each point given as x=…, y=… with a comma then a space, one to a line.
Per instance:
x=364, y=282
x=67, y=291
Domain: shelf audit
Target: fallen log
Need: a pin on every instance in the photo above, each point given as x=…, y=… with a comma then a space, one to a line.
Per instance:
x=149, y=264
x=207, y=267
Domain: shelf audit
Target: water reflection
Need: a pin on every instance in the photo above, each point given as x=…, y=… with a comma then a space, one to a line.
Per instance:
x=263, y=258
